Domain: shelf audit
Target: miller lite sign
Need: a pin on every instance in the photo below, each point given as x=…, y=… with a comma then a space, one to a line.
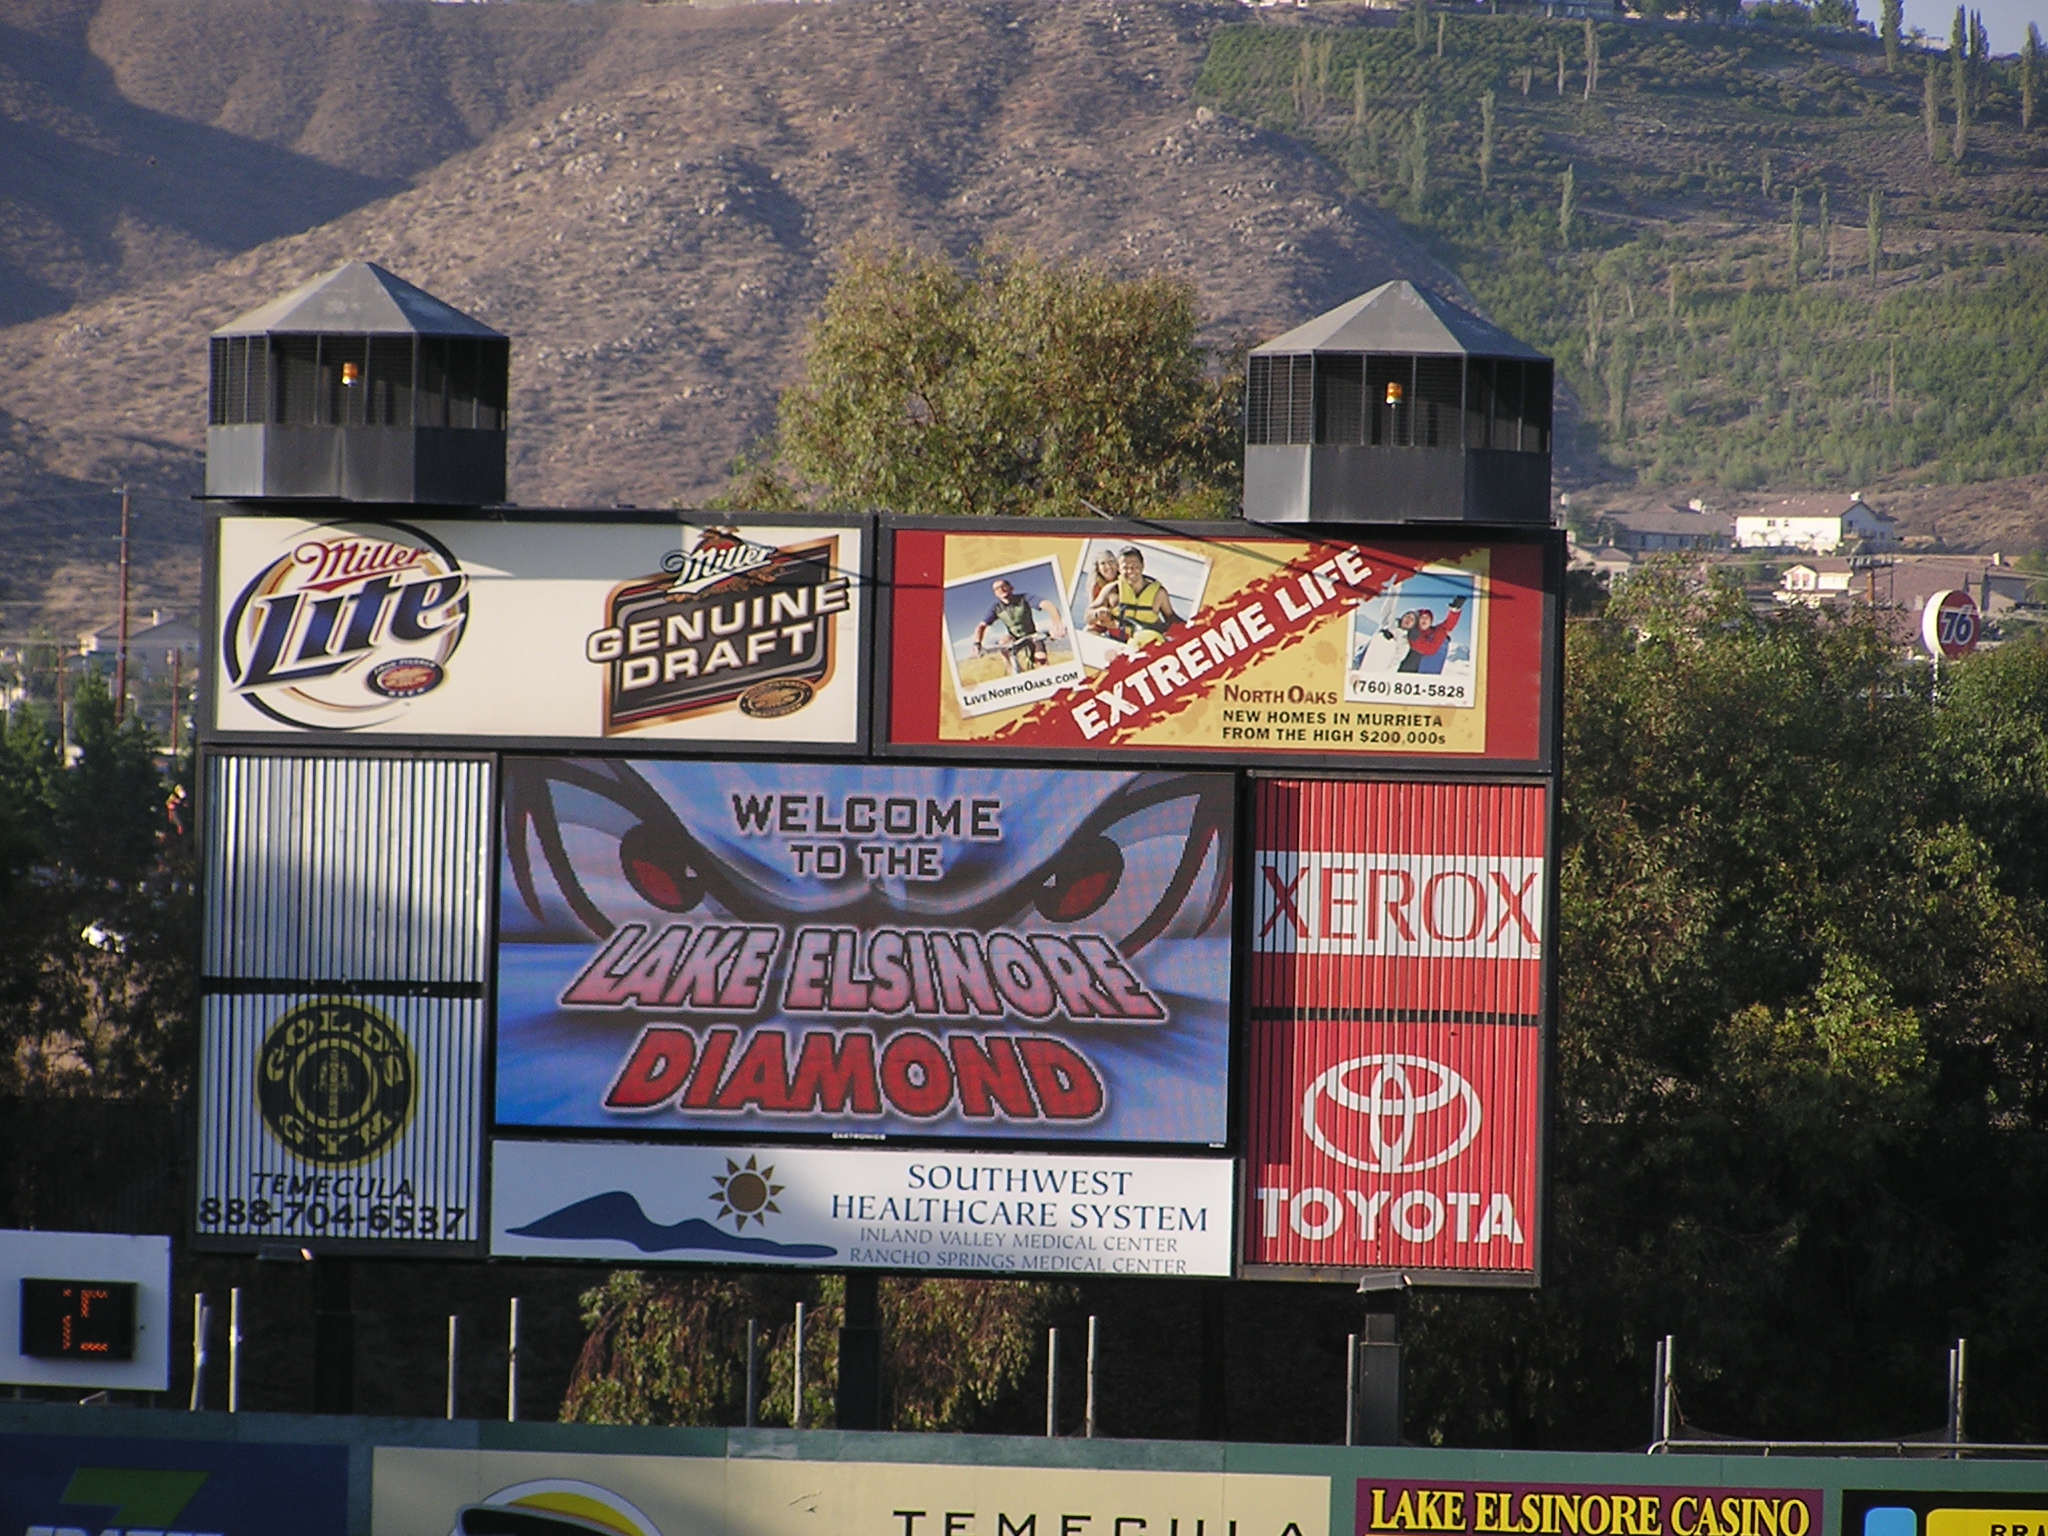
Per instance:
x=1399, y=933
x=671, y=630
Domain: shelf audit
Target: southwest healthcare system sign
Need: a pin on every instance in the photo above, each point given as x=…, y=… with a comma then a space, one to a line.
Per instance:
x=435, y=1492
x=1397, y=984
x=1070, y=643
x=1398, y=1508
x=846, y=1207
x=964, y=953
x=651, y=631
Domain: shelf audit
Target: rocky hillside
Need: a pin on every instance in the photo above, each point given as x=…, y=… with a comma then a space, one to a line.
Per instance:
x=647, y=198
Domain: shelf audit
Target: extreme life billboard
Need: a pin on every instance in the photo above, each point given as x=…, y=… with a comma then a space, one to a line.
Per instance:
x=1397, y=994
x=1141, y=639
x=819, y=949
x=656, y=631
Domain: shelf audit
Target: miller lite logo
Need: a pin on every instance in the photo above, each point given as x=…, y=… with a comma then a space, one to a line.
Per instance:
x=728, y=621
x=347, y=628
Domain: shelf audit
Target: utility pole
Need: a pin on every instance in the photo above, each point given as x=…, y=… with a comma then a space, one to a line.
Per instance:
x=121, y=661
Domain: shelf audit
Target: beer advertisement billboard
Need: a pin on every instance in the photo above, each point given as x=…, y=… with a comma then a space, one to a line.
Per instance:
x=952, y=1212
x=1237, y=643
x=813, y=949
x=1396, y=994
x=647, y=632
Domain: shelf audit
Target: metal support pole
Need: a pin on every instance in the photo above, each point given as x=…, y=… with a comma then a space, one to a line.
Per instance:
x=860, y=1354
x=121, y=660
x=454, y=1358
x=1957, y=1391
x=512, y=1367
x=1351, y=1389
x=753, y=1369
x=235, y=1350
x=1088, y=1412
x=201, y=1316
x=1052, y=1383
x=796, y=1375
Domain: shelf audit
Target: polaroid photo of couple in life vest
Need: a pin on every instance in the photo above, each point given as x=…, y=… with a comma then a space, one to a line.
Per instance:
x=1028, y=631
x=1415, y=642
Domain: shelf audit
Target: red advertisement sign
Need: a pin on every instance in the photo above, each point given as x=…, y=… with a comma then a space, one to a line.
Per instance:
x=1109, y=639
x=1396, y=999
x=1387, y=1506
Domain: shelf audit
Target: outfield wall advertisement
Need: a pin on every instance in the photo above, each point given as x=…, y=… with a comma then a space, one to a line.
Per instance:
x=434, y=1492
x=863, y=1208
x=1072, y=643
x=1387, y=1506
x=630, y=631
x=812, y=949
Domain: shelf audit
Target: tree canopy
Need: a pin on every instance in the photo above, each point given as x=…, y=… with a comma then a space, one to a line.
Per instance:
x=1801, y=1066
x=1018, y=386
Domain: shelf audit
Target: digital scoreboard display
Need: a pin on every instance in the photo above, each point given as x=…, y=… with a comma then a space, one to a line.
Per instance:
x=78, y=1319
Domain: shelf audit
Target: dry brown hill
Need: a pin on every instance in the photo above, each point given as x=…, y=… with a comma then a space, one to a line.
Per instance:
x=647, y=198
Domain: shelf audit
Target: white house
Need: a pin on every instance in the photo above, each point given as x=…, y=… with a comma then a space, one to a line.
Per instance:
x=1818, y=524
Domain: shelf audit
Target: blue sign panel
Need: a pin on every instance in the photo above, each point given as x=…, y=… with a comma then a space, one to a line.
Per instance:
x=76, y=1485
x=812, y=949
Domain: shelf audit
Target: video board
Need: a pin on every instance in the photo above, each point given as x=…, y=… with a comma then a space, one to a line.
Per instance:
x=815, y=949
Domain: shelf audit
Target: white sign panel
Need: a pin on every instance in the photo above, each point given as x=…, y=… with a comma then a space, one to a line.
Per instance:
x=840, y=1208
x=421, y=1492
x=539, y=631
x=330, y=1121
x=57, y=1289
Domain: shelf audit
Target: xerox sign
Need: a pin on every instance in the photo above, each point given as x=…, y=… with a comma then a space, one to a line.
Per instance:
x=1398, y=935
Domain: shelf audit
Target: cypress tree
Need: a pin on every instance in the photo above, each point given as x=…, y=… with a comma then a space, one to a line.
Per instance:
x=1893, y=16
x=1873, y=234
x=1486, y=141
x=2030, y=72
x=1565, y=208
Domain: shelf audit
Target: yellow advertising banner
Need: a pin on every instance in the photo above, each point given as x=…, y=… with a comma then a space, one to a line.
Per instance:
x=478, y=1493
x=1086, y=644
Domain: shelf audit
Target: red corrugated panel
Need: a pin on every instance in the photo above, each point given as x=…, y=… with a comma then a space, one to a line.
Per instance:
x=1396, y=993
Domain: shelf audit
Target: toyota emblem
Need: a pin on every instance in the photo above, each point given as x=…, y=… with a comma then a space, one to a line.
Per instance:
x=1391, y=1113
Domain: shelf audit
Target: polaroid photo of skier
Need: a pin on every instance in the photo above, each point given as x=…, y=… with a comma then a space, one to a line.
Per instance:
x=1010, y=637
x=1133, y=593
x=1417, y=642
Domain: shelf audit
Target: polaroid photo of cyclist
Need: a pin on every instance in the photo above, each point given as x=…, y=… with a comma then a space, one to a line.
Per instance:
x=1133, y=593
x=1010, y=637
x=1416, y=643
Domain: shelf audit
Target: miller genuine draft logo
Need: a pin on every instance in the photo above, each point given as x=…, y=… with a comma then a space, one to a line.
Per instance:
x=347, y=628
x=336, y=1082
x=729, y=621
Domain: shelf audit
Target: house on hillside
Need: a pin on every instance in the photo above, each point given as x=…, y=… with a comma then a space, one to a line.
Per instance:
x=165, y=646
x=1818, y=524
x=1665, y=530
x=1906, y=582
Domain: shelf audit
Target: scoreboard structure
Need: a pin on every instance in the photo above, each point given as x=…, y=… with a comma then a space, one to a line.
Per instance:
x=863, y=893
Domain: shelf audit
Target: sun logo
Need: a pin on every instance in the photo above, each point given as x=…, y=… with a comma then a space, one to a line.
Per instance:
x=745, y=1193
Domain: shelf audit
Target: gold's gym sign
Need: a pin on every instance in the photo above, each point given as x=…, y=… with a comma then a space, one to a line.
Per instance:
x=1552, y=1509
x=336, y=1082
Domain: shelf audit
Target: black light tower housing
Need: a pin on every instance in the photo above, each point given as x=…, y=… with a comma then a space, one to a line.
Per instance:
x=1397, y=407
x=358, y=387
